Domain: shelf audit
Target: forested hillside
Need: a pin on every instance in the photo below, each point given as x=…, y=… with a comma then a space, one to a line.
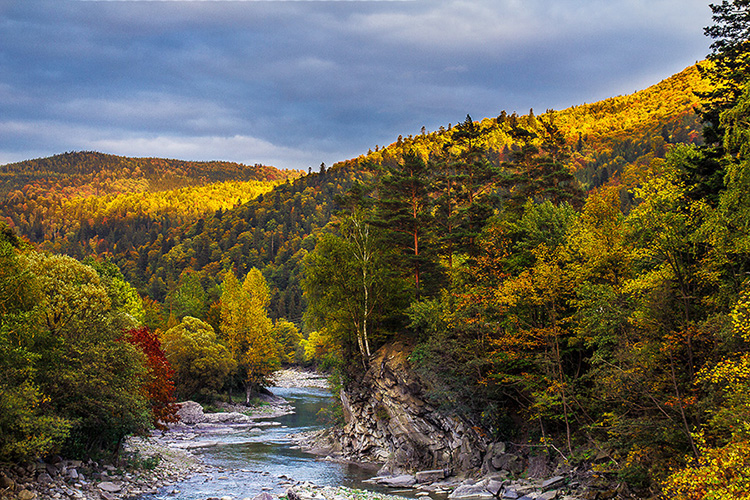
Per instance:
x=52, y=198
x=92, y=204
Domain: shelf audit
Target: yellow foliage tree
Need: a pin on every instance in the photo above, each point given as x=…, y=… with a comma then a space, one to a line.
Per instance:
x=248, y=330
x=722, y=472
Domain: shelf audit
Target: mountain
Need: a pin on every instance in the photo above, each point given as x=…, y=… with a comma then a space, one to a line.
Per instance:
x=603, y=136
x=48, y=199
x=164, y=220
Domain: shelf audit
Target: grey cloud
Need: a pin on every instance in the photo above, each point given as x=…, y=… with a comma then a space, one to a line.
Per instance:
x=303, y=82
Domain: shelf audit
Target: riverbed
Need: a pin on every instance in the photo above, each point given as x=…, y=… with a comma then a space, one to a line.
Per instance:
x=245, y=462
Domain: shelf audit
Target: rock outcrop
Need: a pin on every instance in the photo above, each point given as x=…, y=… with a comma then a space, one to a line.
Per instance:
x=387, y=419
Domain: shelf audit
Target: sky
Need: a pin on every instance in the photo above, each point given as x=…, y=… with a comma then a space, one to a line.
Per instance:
x=293, y=83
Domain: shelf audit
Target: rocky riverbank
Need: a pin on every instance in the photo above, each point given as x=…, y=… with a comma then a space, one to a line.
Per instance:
x=147, y=467
x=150, y=464
x=295, y=377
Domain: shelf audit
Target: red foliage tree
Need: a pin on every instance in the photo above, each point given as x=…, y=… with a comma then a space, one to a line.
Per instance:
x=160, y=386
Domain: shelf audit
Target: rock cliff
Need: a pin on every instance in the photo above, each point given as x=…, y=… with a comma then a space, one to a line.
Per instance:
x=387, y=419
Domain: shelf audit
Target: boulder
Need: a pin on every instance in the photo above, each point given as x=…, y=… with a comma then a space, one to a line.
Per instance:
x=467, y=490
x=403, y=481
x=538, y=467
x=494, y=487
x=548, y=495
x=263, y=496
x=44, y=478
x=386, y=415
x=507, y=461
x=430, y=476
x=109, y=487
x=7, y=483
x=191, y=413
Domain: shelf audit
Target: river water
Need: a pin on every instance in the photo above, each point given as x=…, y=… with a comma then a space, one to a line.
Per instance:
x=246, y=463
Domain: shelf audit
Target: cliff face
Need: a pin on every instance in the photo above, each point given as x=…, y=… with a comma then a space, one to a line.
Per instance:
x=388, y=420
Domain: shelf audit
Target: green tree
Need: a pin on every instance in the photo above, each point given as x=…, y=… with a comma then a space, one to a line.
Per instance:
x=91, y=377
x=288, y=338
x=729, y=65
x=202, y=364
x=189, y=298
x=350, y=286
x=539, y=168
x=27, y=429
x=403, y=209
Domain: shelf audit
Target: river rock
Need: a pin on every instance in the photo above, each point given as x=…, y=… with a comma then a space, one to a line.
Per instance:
x=430, y=476
x=6, y=483
x=470, y=490
x=26, y=495
x=508, y=462
x=548, y=495
x=109, y=487
x=44, y=478
x=403, y=481
x=226, y=417
x=191, y=413
x=263, y=496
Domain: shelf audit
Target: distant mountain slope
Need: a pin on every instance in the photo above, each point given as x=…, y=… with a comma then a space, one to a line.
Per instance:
x=89, y=172
x=48, y=198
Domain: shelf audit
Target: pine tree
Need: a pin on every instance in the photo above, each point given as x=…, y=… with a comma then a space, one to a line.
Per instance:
x=403, y=208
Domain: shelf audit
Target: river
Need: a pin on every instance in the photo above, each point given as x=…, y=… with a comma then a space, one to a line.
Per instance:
x=246, y=463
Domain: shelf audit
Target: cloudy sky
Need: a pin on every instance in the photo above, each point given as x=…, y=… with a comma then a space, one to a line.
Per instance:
x=297, y=83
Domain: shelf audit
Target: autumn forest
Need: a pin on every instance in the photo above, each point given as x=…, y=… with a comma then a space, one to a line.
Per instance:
x=576, y=279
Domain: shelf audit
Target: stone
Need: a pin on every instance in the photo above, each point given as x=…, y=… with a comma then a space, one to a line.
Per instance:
x=474, y=491
x=7, y=483
x=507, y=461
x=494, y=487
x=263, y=496
x=538, y=468
x=73, y=474
x=387, y=416
x=44, y=478
x=430, y=476
x=110, y=487
x=548, y=495
x=403, y=481
x=26, y=495
x=510, y=495
x=553, y=482
x=191, y=413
